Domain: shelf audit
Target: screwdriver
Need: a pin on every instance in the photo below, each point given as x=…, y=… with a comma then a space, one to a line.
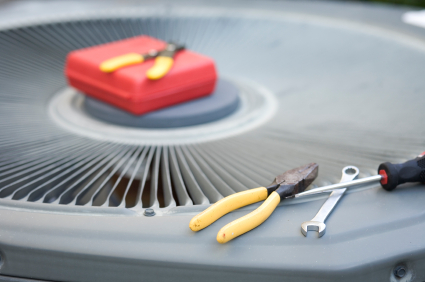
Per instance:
x=389, y=175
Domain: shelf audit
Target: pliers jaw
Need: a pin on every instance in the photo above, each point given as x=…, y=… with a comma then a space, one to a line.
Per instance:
x=294, y=181
x=171, y=49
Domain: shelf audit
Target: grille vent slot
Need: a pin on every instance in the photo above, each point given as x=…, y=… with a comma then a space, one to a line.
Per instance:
x=422, y=175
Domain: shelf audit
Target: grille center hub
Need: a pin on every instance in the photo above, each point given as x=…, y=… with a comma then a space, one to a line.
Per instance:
x=68, y=109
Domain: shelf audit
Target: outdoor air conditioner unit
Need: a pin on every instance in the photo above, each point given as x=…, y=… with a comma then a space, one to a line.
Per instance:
x=334, y=83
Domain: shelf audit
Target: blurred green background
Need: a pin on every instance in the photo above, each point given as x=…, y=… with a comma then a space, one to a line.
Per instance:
x=418, y=3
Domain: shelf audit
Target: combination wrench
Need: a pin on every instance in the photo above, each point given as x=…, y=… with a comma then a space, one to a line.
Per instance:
x=318, y=222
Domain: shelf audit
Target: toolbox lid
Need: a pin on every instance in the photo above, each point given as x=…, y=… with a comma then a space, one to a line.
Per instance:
x=191, y=76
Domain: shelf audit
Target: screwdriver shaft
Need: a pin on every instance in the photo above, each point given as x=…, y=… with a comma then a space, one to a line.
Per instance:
x=375, y=178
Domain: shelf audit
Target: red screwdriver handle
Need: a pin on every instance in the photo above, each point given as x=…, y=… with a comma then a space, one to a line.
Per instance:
x=396, y=174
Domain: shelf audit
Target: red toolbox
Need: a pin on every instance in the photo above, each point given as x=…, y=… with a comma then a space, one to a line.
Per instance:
x=191, y=76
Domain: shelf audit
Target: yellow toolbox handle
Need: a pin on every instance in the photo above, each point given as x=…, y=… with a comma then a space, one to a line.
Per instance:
x=161, y=67
x=249, y=221
x=121, y=61
x=227, y=205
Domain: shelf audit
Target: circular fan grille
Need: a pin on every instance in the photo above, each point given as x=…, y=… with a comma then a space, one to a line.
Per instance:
x=344, y=96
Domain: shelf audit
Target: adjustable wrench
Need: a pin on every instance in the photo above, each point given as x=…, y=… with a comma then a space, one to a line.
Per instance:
x=318, y=222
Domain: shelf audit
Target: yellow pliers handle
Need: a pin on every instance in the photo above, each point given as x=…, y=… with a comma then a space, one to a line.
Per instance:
x=164, y=61
x=249, y=221
x=233, y=202
x=121, y=61
x=227, y=205
x=161, y=67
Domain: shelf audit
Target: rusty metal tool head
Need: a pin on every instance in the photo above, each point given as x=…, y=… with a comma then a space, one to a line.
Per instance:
x=294, y=181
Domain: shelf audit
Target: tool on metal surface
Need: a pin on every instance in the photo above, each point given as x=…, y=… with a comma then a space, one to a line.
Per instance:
x=318, y=222
x=389, y=175
x=289, y=183
x=163, y=61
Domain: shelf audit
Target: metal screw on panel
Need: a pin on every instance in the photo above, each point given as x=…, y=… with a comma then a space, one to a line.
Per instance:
x=399, y=271
x=149, y=212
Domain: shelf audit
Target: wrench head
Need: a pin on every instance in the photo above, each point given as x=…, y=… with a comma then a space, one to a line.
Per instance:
x=320, y=227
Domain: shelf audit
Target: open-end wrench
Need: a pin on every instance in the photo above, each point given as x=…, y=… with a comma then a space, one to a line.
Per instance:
x=318, y=222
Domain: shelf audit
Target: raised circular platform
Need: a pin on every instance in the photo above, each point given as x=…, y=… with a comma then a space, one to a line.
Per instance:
x=221, y=103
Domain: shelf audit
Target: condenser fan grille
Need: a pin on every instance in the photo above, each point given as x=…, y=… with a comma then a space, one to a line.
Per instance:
x=43, y=162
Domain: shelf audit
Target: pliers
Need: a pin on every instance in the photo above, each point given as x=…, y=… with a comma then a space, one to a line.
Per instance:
x=163, y=61
x=287, y=184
